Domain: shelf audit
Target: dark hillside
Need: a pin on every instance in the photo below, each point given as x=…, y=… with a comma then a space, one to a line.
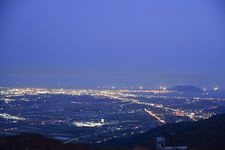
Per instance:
x=203, y=135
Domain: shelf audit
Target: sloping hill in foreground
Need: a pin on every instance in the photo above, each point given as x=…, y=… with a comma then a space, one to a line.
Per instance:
x=30, y=141
x=202, y=135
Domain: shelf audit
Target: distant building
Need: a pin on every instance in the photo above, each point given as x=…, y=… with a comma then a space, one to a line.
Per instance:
x=160, y=144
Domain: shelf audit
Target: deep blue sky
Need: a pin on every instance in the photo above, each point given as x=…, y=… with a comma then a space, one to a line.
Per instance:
x=86, y=43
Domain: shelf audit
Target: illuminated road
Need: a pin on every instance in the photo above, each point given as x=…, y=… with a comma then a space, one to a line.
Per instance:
x=155, y=116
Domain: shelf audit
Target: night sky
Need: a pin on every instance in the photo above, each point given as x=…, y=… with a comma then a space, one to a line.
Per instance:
x=90, y=43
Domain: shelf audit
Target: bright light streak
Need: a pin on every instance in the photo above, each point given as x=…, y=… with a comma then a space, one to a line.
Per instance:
x=155, y=116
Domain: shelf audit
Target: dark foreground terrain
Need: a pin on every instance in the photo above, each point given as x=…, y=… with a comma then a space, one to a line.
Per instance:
x=201, y=135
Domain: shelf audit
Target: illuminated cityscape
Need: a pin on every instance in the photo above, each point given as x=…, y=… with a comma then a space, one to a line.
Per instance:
x=112, y=74
x=95, y=116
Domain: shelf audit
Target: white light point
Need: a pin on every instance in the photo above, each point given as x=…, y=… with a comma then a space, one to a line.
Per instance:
x=216, y=89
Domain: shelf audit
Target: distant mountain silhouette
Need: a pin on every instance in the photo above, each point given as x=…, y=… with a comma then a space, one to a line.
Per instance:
x=186, y=88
